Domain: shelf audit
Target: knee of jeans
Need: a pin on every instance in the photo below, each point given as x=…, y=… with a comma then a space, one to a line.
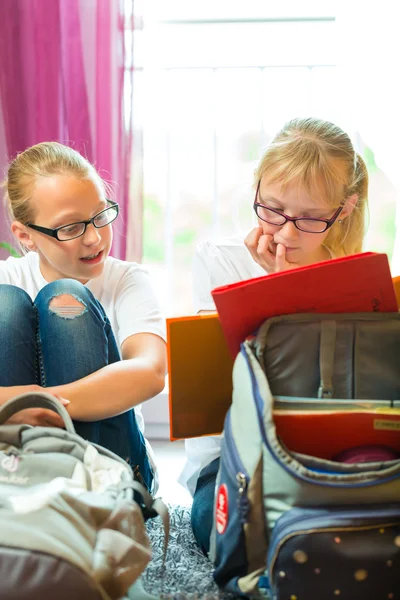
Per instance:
x=13, y=300
x=67, y=306
x=203, y=504
x=13, y=293
x=63, y=287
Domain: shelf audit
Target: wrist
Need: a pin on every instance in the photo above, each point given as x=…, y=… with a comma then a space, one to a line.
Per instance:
x=8, y=392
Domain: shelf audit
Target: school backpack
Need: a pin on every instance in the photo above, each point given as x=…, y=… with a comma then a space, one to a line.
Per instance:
x=292, y=526
x=70, y=525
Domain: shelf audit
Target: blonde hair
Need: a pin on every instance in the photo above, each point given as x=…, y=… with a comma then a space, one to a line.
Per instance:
x=320, y=157
x=42, y=160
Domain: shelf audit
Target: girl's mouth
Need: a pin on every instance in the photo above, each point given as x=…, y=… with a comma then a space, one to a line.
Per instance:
x=93, y=259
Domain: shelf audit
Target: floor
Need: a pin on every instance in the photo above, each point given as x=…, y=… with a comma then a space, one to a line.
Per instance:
x=170, y=457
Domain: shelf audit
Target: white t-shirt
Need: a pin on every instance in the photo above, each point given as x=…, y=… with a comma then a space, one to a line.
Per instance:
x=215, y=264
x=123, y=289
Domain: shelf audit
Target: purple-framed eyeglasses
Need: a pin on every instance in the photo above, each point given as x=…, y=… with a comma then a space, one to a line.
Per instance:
x=307, y=224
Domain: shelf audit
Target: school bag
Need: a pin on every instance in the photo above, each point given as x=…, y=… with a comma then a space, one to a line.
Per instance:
x=71, y=522
x=292, y=526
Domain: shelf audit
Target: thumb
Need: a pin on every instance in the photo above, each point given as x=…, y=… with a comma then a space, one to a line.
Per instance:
x=63, y=401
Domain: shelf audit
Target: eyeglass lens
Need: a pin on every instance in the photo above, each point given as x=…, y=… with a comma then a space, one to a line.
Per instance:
x=74, y=230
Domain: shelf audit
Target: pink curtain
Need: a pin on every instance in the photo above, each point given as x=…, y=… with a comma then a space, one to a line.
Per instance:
x=63, y=77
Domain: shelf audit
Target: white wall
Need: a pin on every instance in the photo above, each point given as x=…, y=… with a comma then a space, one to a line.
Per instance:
x=156, y=417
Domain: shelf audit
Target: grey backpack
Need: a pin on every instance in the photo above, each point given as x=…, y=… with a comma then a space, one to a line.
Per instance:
x=291, y=525
x=69, y=523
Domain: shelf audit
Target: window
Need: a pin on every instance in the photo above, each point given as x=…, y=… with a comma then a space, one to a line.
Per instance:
x=216, y=81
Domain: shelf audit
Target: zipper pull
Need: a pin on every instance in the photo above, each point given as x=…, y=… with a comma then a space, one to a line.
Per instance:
x=242, y=501
x=242, y=481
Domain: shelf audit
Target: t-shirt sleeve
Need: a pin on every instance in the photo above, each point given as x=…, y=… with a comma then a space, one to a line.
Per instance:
x=202, y=299
x=137, y=308
x=5, y=276
x=212, y=267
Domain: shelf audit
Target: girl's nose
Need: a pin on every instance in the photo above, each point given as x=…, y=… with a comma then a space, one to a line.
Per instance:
x=289, y=231
x=91, y=235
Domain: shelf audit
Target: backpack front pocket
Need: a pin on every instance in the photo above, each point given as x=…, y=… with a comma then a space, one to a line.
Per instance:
x=340, y=552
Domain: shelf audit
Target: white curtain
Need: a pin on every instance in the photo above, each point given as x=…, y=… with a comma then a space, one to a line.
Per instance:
x=369, y=49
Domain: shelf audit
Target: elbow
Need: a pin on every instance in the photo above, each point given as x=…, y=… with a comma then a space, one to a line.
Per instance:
x=159, y=385
x=158, y=379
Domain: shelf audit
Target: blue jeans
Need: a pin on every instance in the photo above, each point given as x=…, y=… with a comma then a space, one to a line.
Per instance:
x=203, y=505
x=42, y=345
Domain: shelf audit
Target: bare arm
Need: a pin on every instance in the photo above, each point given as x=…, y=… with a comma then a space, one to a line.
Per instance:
x=121, y=385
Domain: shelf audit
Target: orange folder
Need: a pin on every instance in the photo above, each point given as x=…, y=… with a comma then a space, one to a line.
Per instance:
x=326, y=433
x=396, y=283
x=358, y=283
x=200, y=376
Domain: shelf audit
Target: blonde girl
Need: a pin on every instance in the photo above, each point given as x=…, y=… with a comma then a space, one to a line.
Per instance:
x=74, y=320
x=311, y=191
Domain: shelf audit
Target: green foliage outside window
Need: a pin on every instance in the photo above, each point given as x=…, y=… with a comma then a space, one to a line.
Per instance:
x=153, y=231
x=11, y=251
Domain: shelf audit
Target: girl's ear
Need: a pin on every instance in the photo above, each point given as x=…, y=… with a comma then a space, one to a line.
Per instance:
x=23, y=235
x=349, y=206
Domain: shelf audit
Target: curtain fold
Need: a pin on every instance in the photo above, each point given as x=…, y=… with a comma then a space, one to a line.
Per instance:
x=63, y=77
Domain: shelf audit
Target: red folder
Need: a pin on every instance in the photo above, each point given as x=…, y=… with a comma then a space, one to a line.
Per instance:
x=326, y=433
x=358, y=283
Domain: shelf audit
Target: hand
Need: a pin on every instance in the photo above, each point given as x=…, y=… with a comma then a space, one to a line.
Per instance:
x=36, y=416
x=260, y=246
x=31, y=416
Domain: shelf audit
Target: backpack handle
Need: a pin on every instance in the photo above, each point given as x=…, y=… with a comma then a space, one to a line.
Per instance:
x=35, y=400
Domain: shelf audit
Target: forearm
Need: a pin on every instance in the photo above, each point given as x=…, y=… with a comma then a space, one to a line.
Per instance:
x=8, y=392
x=112, y=390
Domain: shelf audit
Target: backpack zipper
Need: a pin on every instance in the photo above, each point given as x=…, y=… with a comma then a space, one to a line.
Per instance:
x=235, y=465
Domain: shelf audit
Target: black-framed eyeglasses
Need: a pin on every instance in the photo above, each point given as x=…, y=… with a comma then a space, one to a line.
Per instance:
x=74, y=230
x=278, y=218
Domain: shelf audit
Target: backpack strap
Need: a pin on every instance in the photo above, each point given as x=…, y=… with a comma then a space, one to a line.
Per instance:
x=327, y=358
x=152, y=505
x=35, y=400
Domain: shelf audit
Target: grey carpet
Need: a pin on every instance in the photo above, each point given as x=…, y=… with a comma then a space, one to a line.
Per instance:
x=187, y=573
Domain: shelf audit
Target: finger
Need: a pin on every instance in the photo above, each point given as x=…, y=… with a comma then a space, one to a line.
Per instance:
x=251, y=240
x=263, y=247
x=266, y=258
x=281, y=263
x=54, y=423
x=51, y=419
x=259, y=245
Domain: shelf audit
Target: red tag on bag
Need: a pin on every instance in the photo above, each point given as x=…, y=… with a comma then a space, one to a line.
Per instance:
x=221, y=511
